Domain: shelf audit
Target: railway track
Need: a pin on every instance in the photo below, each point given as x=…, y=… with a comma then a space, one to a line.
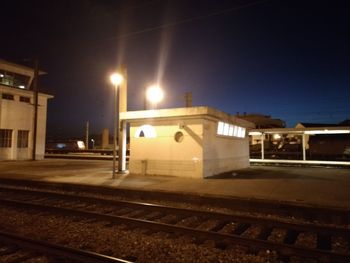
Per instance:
x=304, y=212
x=255, y=233
x=15, y=248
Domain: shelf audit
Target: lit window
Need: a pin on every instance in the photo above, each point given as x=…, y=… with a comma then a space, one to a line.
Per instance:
x=146, y=131
x=230, y=131
x=5, y=138
x=22, y=139
x=235, y=133
x=243, y=133
x=14, y=79
x=239, y=132
x=220, y=128
x=226, y=128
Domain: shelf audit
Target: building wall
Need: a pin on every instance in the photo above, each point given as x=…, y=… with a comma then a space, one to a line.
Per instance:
x=206, y=148
x=16, y=115
x=163, y=155
x=223, y=153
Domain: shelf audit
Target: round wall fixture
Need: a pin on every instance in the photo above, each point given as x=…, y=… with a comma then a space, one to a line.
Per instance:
x=179, y=136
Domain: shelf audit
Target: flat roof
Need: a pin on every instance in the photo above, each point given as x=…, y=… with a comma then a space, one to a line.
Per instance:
x=188, y=112
x=19, y=91
x=18, y=66
x=318, y=130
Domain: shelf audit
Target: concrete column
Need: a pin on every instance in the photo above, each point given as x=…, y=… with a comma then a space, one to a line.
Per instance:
x=122, y=147
x=262, y=146
x=87, y=136
x=304, y=146
x=122, y=124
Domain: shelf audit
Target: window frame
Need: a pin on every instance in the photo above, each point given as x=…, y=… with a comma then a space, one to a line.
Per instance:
x=225, y=129
x=7, y=96
x=24, y=99
x=22, y=139
x=6, y=138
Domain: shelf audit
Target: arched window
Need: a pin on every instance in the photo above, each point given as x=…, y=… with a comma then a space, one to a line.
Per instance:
x=146, y=131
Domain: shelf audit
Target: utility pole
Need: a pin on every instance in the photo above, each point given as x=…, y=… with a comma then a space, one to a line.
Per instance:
x=188, y=99
x=35, y=92
x=87, y=136
x=144, y=99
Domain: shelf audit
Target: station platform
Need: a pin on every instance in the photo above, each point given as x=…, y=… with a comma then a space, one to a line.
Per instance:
x=320, y=186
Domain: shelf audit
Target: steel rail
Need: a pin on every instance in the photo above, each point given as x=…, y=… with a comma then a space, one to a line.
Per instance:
x=267, y=222
x=281, y=208
x=47, y=248
x=283, y=249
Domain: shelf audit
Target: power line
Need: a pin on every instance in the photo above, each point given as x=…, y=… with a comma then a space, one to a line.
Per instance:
x=127, y=9
x=183, y=21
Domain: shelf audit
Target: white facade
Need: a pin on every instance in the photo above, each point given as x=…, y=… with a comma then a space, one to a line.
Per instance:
x=186, y=142
x=17, y=115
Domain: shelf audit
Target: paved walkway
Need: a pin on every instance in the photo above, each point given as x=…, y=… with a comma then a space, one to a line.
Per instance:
x=320, y=186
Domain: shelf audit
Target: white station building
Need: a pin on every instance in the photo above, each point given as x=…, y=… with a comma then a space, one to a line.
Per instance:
x=17, y=113
x=196, y=142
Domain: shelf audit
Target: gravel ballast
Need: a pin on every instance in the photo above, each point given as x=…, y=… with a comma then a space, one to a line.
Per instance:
x=120, y=241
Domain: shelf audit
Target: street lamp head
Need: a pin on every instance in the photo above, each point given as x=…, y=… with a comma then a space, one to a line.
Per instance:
x=116, y=79
x=154, y=94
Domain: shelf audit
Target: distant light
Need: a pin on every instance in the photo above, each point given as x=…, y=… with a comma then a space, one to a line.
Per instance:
x=327, y=132
x=61, y=145
x=277, y=136
x=81, y=145
x=1, y=75
x=116, y=79
x=154, y=94
x=21, y=87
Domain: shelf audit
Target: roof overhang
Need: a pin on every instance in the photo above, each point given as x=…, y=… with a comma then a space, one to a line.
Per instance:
x=190, y=112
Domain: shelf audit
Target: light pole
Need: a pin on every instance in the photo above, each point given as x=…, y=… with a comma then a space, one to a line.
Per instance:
x=116, y=80
x=93, y=143
x=154, y=94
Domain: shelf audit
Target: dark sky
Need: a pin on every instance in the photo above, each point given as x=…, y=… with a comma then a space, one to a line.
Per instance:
x=287, y=59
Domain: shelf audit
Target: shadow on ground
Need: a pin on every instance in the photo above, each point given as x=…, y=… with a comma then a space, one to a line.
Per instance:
x=260, y=173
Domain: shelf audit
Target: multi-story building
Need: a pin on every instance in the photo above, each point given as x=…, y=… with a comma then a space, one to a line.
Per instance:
x=17, y=111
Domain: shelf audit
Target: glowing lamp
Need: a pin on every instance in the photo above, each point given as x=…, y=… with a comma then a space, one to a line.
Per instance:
x=154, y=94
x=116, y=79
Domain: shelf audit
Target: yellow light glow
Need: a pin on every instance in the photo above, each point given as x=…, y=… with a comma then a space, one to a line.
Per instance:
x=255, y=133
x=277, y=136
x=116, y=79
x=154, y=94
x=81, y=145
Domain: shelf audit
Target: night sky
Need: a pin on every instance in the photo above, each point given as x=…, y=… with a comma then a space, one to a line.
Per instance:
x=287, y=59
